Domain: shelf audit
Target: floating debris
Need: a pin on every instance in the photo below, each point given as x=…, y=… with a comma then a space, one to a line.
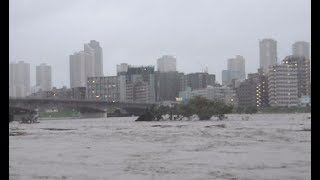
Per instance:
x=57, y=129
x=218, y=125
x=180, y=126
x=162, y=126
x=17, y=133
x=304, y=129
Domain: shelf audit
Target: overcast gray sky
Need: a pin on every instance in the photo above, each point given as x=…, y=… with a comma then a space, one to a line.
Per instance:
x=198, y=33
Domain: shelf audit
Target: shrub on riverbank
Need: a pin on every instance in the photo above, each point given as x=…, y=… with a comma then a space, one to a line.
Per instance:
x=285, y=110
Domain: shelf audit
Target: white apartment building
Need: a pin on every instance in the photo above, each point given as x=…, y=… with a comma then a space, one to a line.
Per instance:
x=43, y=77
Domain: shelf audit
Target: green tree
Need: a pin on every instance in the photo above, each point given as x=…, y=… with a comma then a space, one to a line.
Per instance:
x=205, y=108
x=198, y=105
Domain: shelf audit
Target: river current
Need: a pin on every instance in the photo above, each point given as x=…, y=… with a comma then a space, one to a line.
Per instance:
x=260, y=146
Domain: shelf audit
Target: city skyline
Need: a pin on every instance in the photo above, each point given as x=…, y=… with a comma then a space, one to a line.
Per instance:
x=198, y=35
x=156, y=64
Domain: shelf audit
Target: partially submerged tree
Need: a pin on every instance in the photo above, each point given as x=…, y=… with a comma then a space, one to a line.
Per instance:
x=198, y=105
x=205, y=108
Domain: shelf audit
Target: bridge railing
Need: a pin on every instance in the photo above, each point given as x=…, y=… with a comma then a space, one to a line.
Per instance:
x=76, y=100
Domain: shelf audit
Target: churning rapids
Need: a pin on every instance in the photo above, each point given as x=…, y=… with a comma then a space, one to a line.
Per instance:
x=263, y=146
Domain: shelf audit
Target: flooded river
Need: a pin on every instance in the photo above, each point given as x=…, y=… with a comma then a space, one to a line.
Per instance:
x=271, y=146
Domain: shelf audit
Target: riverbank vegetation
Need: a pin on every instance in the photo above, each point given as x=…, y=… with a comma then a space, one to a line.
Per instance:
x=200, y=106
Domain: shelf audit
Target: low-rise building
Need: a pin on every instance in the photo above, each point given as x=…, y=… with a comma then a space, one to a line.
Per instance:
x=248, y=94
x=219, y=93
x=103, y=88
x=55, y=93
x=79, y=93
x=229, y=76
x=138, y=92
x=199, y=80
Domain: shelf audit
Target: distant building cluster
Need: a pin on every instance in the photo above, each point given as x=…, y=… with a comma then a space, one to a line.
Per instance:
x=274, y=84
x=19, y=79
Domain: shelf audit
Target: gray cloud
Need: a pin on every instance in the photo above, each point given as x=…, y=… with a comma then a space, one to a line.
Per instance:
x=199, y=33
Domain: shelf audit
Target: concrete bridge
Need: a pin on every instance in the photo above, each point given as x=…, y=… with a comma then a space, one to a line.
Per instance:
x=83, y=106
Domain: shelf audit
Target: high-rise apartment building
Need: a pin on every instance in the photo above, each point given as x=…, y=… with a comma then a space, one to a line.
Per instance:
x=86, y=63
x=268, y=54
x=95, y=49
x=237, y=64
x=81, y=67
x=235, y=71
x=301, y=48
x=167, y=63
x=43, y=77
x=19, y=79
x=283, y=85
